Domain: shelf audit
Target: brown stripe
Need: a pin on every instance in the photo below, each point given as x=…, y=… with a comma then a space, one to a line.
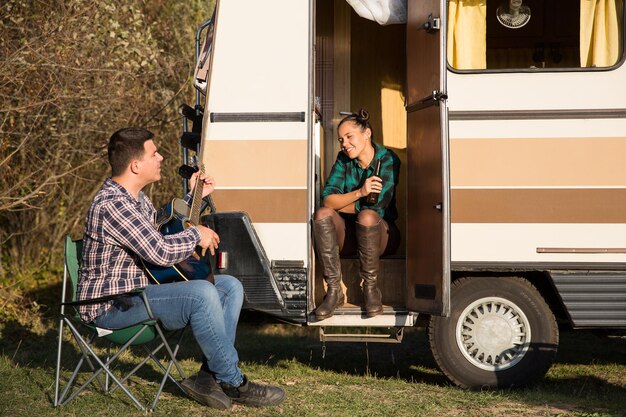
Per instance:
x=257, y=163
x=265, y=206
x=538, y=162
x=539, y=206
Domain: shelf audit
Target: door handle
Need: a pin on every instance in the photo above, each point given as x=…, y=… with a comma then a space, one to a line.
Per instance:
x=438, y=206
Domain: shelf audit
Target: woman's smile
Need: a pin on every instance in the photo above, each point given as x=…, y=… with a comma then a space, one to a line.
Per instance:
x=348, y=149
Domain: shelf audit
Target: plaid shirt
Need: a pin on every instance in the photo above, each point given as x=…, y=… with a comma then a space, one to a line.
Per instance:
x=119, y=231
x=347, y=175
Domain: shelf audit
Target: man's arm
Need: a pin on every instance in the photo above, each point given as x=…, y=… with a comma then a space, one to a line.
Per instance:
x=133, y=230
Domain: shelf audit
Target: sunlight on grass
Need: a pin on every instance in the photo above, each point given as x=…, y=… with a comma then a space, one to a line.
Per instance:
x=340, y=380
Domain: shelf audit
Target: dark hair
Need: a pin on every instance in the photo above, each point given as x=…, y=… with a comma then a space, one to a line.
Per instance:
x=125, y=145
x=360, y=118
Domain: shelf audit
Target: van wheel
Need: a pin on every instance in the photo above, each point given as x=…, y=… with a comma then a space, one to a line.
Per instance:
x=500, y=333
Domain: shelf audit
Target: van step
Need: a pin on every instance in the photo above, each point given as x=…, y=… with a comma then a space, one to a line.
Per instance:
x=357, y=318
x=394, y=336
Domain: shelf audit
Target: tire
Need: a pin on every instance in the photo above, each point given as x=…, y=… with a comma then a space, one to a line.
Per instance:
x=500, y=333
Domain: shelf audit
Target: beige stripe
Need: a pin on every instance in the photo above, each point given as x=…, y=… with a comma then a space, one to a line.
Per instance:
x=539, y=206
x=254, y=163
x=538, y=162
x=265, y=206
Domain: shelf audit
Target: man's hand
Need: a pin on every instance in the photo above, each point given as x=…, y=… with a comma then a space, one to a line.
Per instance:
x=208, y=239
x=208, y=183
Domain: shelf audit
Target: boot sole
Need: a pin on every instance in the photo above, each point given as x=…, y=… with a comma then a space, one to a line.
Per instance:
x=259, y=403
x=206, y=399
x=329, y=315
x=370, y=314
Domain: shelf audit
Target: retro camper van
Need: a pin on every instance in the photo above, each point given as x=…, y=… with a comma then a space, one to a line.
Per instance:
x=509, y=118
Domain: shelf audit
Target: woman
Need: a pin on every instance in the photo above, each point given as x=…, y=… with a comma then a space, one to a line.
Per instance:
x=347, y=223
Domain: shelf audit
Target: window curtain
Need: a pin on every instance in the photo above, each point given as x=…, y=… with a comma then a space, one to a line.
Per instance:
x=467, y=34
x=600, y=32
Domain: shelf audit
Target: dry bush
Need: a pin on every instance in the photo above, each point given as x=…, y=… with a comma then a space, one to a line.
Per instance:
x=71, y=73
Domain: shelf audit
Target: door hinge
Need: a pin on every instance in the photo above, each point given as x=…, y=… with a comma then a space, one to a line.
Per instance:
x=434, y=99
x=433, y=24
x=438, y=96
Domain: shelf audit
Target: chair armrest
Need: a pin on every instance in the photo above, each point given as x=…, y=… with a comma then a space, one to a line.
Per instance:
x=102, y=299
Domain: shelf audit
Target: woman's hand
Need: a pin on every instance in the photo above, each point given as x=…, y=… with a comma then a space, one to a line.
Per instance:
x=208, y=183
x=373, y=184
x=346, y=202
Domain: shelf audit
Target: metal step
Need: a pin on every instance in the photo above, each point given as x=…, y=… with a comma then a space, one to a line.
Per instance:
x=355, y=317
x=394, y=336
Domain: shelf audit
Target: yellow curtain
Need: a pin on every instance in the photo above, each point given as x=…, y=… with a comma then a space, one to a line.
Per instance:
x=600, y=32
x=467, y=34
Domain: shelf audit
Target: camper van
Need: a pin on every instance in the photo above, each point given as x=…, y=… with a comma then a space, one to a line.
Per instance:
x=509, y=118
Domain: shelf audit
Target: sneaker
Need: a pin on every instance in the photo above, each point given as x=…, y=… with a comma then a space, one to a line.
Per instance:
x=253, y=394
x=203, y=388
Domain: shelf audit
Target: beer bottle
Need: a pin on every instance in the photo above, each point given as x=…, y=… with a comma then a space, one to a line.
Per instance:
x=372, y=198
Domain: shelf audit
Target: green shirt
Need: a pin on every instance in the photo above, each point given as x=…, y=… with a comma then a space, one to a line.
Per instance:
x=347, y=175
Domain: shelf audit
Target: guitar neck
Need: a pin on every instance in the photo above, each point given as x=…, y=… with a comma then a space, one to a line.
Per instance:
x=196, y=202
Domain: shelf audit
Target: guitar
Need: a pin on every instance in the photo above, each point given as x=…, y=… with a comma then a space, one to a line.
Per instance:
x=173, y=218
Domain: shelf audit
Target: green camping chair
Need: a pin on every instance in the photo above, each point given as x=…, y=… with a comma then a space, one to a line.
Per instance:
x=146, y=334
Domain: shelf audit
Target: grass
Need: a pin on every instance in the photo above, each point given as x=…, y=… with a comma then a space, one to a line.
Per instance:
x=588, y=378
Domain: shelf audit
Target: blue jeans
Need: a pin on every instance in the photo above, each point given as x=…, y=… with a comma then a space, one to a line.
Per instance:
x=212, y=311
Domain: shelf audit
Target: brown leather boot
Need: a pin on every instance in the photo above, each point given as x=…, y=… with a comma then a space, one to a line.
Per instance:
x=328, y=254
x=368, y=239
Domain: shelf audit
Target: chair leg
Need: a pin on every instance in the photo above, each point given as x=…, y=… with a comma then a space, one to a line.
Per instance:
x=165, y=378
x=173, y=361
x=142, y=363
x=151, y=354
x=104, y=368
x=109, y=382
x=106, y=376
x=60, y=399
x=58, y=370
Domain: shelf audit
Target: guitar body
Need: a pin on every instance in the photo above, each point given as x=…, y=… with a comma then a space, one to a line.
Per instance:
x=174, y=218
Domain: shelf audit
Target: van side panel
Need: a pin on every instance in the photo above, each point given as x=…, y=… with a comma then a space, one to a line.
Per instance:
x=537, y=165
x=257, y=128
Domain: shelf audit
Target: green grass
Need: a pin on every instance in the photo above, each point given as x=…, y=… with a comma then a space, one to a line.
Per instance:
x=588, y=379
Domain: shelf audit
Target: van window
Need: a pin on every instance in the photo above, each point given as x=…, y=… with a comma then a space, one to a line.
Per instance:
x=537, y=34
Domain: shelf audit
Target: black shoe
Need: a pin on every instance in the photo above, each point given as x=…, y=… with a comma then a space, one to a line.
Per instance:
x=253, y=394
x=203, y=388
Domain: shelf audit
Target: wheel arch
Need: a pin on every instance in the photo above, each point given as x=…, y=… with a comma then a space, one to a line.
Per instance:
x=540, y=279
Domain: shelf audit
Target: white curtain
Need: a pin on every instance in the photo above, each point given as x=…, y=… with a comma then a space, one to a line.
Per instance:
x=384, y=12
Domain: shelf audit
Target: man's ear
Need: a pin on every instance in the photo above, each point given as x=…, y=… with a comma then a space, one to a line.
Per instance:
x=134, y=166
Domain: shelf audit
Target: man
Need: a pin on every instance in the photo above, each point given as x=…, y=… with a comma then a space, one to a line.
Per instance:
x=120, y=232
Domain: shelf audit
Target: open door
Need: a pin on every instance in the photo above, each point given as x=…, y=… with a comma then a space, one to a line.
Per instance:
x=428, y=196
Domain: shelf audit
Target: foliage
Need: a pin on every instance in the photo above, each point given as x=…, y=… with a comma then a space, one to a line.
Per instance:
x=71, y=73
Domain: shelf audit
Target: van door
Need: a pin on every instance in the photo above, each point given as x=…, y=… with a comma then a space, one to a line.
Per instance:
x=428, y=197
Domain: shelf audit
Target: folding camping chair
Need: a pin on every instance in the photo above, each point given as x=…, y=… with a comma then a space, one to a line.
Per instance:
x=145, y=334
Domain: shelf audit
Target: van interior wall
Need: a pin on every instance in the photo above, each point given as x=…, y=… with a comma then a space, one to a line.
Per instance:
x=377, y=83
x=360, y=64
